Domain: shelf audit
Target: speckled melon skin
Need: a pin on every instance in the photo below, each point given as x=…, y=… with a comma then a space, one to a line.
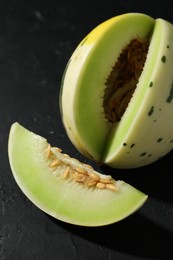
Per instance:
x=150, y=133
x=145, y=132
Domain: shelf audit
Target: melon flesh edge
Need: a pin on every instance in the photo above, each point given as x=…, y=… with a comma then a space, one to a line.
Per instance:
x=61, y=199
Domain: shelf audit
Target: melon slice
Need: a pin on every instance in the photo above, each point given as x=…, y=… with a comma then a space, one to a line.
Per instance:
x=65, y=188
x=121, y=118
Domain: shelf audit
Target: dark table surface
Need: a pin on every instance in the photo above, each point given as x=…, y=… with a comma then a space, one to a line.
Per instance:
x=36, y=40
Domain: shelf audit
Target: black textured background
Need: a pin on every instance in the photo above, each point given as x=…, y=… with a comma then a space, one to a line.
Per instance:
x=36, y=41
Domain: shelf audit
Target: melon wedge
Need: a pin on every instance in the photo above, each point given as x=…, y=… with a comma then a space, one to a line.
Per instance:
x=144, y=132
x=50, y=179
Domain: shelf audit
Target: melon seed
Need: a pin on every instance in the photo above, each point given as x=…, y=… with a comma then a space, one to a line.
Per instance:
x=81, y=170
x=48, y=151
x=100, y=185
x=110, y=186
x=66, y=173
x=55, y=163
x=106, y=180
x=94, y=176
x=78, y=177
x=91, y=183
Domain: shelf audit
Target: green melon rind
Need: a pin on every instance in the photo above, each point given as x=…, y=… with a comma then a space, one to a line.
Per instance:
x=61, y=199
x=83, y=82
x=144, y=133
x=146, y=130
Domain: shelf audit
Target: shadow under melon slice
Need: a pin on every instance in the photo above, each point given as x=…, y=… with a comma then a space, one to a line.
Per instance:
x=65, y=188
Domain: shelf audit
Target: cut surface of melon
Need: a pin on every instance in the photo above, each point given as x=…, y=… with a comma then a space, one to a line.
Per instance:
x=47, y=177
x=134, y=141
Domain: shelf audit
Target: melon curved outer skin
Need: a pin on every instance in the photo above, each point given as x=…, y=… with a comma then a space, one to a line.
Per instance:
x=145, y=132
x=62, y=199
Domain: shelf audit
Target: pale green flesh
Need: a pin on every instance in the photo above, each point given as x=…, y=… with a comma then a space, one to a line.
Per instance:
x=146, y=120
x=64, y=200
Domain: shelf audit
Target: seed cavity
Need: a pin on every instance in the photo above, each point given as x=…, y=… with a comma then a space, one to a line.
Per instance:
x=78, y=172
x=122, y=81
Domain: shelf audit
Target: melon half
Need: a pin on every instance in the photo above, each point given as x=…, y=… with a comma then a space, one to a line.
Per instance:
x=117, y=90
x=65, y=188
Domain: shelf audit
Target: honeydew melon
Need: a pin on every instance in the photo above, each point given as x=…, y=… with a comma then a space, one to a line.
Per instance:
x=65, y=188
x=144, y=131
